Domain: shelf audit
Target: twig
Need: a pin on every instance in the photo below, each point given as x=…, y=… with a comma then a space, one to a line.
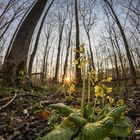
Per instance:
x=1, y=138
x=7, y=104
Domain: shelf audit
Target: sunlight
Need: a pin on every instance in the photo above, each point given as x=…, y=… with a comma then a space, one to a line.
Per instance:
x=67, y=79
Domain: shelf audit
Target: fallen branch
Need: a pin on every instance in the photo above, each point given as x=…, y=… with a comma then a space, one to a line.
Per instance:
x=1, y=138
x=12, y=98
x=7, y=104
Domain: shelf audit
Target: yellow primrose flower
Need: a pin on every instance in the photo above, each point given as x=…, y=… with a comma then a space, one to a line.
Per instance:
x=75, y=50
x=79, y=66
x=109, y=79
x=85, y=61
x=97, y=94
x=108, y=90
x=76, y=61
x=82, y=50
x=102, y=95
x=120, y=102
x=111, y=100
x=97, y=88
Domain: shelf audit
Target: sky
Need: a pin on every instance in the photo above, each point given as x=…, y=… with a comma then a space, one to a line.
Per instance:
x=97, y=33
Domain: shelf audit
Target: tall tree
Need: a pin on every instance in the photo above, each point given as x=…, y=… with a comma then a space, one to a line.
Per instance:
x=88, y=19
x=17, y=58
x=68, y=49
x=46, y=52
x=77, y=55
x=115, y=17
x=61, y=22
x=37, y=40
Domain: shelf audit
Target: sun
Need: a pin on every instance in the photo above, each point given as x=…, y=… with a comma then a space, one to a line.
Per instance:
x=67, y=79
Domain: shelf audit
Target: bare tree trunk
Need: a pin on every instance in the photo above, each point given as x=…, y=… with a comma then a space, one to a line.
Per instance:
x=119, y=53
x=115, y=60
x=37, y=40
x=44, y=65
x=90, y=48
x=16, y=31
x=77, y=55
x=67, y=52
x=17, y=58
x=59, y=51
x=132, y=68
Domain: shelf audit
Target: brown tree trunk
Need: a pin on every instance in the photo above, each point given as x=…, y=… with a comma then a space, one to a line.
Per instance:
x=59, y=51
x=119, y=53
x=37, y=40
x=17, y=58
x=90, y=48
x=132, y=68
x=77, y=55
x=43, y=77
x=16, y=31
x=67, y=53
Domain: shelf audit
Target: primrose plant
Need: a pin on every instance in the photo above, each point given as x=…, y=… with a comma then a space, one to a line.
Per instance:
x=98, y=120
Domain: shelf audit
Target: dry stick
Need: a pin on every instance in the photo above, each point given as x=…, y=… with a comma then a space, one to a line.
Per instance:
x=4, y=106
x=13, y=98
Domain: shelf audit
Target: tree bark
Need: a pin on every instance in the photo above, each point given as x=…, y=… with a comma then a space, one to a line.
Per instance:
x=132, y=68
x=17, y=57
x=77, y=55
x=37, y=40
x=67, y=53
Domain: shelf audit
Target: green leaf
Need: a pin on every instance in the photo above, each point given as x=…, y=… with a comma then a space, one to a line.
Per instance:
x=78, y=120
x=97, y=130
x=122, y=127
x=66, y=122
x=78, y=138
x=101, y=114
x=116, y=112
x=65, y=110
x=61, y=134
x=89, y=113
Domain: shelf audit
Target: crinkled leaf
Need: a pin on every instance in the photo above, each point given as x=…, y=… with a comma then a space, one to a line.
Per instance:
x=116, y=112
x=65, y=110
x=61, y=134
x=97, y=130
x=122, y=127
x=78, y=120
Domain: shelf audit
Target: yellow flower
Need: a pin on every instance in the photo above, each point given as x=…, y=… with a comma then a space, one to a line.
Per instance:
x=85, y=61
x=75, y=50
x=82, y=50
x=97, y=89
x=109, y=79
x=111, y=100
x=79, y=66
x=120, y=102
x=76, y=61
x=97, y=94
x=108, y=90
x=102, y=95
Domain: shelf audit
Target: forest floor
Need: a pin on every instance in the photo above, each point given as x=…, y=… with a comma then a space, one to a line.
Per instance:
x=24, y=115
